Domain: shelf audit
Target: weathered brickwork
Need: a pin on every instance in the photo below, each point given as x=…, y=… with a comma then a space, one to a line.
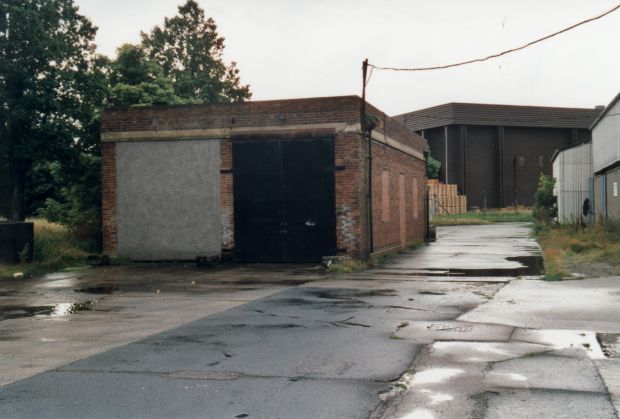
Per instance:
x=247, y=114
x=108, y=196
x=226, y=196
x=387, y=232
x=351, y=221
x=292, y=119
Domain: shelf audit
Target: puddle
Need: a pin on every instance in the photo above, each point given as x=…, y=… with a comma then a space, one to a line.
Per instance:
x=342, y=294
x=534, y=264
x=323, y=305
x=106, y=289
x=432, y=293
x=58, y=310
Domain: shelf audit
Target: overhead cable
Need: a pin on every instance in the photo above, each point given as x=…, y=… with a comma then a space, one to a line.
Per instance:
x=499, y=54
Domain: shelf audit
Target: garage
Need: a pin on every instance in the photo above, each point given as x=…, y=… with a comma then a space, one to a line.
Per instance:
x=278, y=181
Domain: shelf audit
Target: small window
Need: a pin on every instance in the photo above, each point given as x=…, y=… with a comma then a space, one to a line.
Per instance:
x=541, y=161
x=385, y=195
x=521, y=161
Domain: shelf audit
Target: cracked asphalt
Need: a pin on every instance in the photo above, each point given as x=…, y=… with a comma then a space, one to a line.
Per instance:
x=451, y=330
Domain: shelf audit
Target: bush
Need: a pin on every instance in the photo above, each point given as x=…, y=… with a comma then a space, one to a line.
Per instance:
x=79, y=205
x=432, y=167
x=545, y=202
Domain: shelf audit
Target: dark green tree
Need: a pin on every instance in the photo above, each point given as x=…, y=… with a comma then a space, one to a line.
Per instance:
x=432, y=167
x=138, y=80
x=50, y=88
x=190, y=52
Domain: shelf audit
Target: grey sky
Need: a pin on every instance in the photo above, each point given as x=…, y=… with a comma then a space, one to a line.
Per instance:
x=304, y=48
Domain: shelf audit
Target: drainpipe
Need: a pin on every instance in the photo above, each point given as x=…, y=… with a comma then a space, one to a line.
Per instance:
x=445, y=136
x=371, y=242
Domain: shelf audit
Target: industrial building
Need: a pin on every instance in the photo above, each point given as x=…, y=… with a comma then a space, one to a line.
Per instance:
x=572, y=170
x=268, y=181
x=496, y=153
x=606, y=161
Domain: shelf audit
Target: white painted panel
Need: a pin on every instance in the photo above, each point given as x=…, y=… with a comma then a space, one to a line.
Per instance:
x=606, y=139
x=572, y=169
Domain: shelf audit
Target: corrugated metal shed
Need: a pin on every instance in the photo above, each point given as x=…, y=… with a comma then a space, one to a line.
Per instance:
x=499, y=115
x=606, y=138
x=572, y=169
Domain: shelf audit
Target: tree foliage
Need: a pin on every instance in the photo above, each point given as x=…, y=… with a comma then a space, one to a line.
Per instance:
x=138, y=80
x=545, y=202
x=50, y=88
x=190, y=52
x=432, y=167
x=53, y=86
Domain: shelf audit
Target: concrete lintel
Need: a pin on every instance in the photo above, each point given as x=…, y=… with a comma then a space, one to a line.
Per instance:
x=387, y=140
x=217, y=133
x=221, y=133
x=152, y=135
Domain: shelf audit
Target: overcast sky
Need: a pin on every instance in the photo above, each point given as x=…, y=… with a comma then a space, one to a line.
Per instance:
x=305, y=48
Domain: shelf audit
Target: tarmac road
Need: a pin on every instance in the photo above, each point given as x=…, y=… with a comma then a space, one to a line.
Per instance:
x=391, y=342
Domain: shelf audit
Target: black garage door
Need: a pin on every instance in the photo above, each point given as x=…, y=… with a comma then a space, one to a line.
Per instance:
x=284, y=199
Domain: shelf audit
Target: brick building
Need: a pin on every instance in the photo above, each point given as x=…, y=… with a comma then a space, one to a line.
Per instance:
x=496, y=153
x=268, y=181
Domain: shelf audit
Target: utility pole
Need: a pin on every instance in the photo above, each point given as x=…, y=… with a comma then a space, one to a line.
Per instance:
x=366, y=134
x=363, y=107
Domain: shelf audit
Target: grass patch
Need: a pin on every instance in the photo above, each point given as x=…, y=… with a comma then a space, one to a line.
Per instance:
x=55, y=249
x=504, y=215
x=591, y=250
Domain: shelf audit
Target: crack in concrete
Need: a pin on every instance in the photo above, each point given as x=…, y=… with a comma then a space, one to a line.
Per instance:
x=220, y=376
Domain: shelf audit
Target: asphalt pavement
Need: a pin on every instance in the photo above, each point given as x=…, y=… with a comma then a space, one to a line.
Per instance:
x=450, y=330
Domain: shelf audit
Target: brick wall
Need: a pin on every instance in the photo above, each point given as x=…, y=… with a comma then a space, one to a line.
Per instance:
x=387, y=230
x=226, y=195
x=351, y=208
x=108, y=196
x=247, y=114
x=393, y=128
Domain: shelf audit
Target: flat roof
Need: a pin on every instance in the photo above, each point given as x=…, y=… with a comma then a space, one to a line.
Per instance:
x=496, y=115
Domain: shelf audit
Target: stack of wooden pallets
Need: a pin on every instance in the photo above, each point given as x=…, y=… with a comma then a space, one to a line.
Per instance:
x=444, y=199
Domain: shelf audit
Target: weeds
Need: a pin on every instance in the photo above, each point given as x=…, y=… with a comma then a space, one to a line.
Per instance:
x=348, y=266
x=592, y=250
x=55, y=248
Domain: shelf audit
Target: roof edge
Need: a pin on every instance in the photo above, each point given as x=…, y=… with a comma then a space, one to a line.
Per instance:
x=604, y=112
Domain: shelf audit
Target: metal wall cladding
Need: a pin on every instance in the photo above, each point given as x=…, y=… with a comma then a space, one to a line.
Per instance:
x=505, y=115
x=612, y=189
x=481, y=160
x=572, y=170
x=606, y=139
